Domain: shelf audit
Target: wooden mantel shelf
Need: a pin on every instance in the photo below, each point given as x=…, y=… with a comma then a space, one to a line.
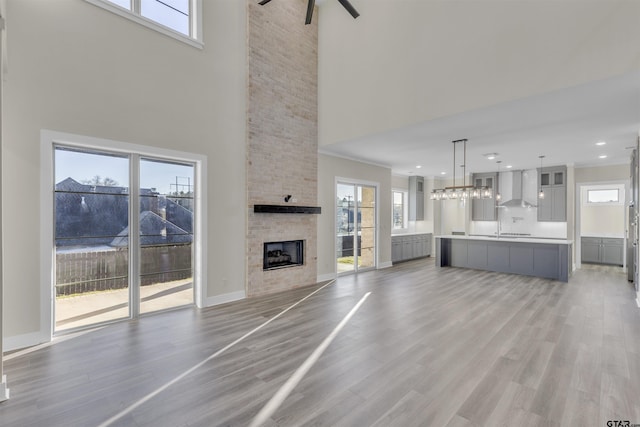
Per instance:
x=288, y=209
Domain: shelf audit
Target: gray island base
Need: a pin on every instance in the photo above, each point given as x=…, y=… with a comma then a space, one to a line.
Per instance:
x=546, y=258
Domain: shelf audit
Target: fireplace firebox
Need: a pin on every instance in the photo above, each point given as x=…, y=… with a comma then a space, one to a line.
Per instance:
x=283, y=254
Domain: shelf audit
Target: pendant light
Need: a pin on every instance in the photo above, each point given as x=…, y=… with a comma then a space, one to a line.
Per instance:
x=541, y=193
x=463, y=191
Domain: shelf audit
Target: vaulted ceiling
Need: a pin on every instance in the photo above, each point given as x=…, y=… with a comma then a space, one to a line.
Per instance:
x=520, y=78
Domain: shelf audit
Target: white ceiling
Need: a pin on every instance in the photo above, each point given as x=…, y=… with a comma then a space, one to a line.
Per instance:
x=564, y=126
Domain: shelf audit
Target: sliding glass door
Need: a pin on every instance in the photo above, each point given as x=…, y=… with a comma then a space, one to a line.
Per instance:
x=104, y=272
x=166, y=235
x=91, y=212
x=355, y=227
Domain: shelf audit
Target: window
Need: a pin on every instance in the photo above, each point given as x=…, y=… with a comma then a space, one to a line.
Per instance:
x=399, y=209
x=608, y=195
x=121, y=230
x=356, y=227
x=170, y=13
x=180, y=19
x=122, y=3
x=94, y=214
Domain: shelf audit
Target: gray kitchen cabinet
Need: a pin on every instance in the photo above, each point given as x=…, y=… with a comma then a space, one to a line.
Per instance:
x=485, y=209
x=612, y=254
x=416, y=198
x=407, y=248
x=396, y=250
x=553, y=182
x=546, y=259
x=410, y=246
x=590, y=249
x=612, y=251
x=602, y=250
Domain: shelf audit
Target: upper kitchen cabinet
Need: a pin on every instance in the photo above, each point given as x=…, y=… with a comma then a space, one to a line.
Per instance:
x=485, y=209
x=553, y=183
x=416, y=198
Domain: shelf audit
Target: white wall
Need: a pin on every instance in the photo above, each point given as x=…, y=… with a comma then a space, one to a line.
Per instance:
x=78, y=69
x=426, y=225
x=329, y=168
x=407, y=61
x=603, y=173
x=453, y=215
x=602, y=221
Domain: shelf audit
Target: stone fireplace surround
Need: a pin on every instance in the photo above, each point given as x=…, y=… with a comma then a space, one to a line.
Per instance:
x=280, y=227
x=282, y=140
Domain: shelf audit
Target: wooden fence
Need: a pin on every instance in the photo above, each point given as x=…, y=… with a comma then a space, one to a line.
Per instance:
x=92, y=271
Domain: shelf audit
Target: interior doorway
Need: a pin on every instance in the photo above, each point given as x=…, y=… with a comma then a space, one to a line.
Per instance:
x=356, y=229
x=602, y=223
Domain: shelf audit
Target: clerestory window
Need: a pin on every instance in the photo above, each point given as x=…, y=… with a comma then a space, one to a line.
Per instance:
x=180, y=19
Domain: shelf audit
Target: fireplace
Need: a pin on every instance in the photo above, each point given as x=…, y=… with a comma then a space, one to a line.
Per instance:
x=283, y=254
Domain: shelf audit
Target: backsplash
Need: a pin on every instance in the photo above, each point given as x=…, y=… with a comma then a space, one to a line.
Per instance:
x=520, y=220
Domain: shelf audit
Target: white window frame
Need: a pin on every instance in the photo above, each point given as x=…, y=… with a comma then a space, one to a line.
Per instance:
x=195, y=20
x=619, y=188
x=405, y=209
x=606, y=202
x=48, y=139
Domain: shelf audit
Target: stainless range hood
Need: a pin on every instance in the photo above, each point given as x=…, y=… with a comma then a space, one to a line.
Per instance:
x=513, y=190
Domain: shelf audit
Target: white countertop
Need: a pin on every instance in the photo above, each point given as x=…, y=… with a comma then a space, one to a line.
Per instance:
x=604, y=235
x=510, y=239
x=415, y=233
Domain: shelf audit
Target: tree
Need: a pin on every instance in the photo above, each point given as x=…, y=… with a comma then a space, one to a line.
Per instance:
x=98, y=180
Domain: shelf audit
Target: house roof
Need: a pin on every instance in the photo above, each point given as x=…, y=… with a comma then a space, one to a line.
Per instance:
x=154, y=231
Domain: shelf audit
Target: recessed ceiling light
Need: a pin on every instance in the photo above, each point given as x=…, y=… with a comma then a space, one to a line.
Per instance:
x=600, y=143
x=509, y=166
x=443, y=173
x=604, y=156
x=490, y=156
x=418, y=167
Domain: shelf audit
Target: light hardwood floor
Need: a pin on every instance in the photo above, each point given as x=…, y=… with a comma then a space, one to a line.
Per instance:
x=429, y=347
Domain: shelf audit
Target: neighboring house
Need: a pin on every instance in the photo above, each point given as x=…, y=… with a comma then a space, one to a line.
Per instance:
x=96, y=215
x=154, y=231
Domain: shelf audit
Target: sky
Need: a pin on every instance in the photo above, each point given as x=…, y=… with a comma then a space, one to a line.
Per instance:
x=153, y=174
x=171, y=13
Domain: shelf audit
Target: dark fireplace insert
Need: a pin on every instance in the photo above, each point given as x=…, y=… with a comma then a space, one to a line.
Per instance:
x=283, y=254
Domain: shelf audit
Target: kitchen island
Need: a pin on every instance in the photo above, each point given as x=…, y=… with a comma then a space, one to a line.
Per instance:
x=547, y=258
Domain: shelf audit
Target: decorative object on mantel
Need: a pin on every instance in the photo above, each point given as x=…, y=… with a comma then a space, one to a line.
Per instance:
x=541, y=193
x=286, y=209
x=463, y=191
x=312, y=3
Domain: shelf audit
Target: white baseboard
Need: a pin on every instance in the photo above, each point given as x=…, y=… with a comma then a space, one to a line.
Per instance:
x=21, y=341
x=326, y=277
x=385, y=265
x=4, y=390
x=225, y=298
